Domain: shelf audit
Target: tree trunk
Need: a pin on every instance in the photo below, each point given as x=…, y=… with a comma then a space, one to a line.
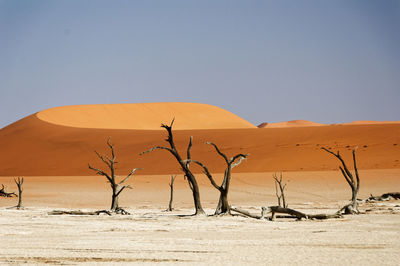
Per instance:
x=114, y=200
x=171, y=196
x=19, y=183
x=19, y=205
x=223, y=204
x=196, y=197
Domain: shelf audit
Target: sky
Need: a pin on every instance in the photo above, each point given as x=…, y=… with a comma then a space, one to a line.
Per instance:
x=266, y=61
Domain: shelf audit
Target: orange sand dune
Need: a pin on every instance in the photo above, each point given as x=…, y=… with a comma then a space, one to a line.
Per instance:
x=143, y=116
x=293, y=123
x=367, y=122
x=305, y=123
x=33, y=146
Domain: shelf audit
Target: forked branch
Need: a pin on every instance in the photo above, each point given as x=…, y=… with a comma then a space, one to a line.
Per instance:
x=281, y=193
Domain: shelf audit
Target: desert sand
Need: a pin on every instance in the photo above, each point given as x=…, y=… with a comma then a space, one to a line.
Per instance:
x=52, y=148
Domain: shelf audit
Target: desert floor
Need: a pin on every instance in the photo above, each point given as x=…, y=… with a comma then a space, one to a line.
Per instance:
x=151, y=236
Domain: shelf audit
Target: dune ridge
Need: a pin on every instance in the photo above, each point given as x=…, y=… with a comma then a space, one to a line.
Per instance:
x=292, y=123
x=306, y=123
x=143, y=116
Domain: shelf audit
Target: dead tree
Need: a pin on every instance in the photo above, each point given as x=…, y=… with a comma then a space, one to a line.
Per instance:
x=117, y=187
x=223, y=206
x=354, y=183
x=280, y=195
x=184, y=165
x=171, y=196
x=19, y=183
x=3, y=193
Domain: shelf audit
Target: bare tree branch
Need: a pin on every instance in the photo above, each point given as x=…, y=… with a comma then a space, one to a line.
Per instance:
x=218, y=151
x=123, y=187
x=345, y=177
x=129, y=175
x=206, y=172
x=282, y=190
x=157, y=148
x=101, y=172
x=188, y=156
x=107, y=162
x=241, y=158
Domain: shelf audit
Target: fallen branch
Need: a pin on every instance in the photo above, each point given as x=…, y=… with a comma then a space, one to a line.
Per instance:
x=384, y=197
x=293, y=213
x=3, y=193
x=264, y=211
x=61, y=212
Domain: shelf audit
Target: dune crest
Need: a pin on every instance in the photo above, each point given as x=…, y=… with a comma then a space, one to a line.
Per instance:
x=146, y=116
x=368, y=122
x=306, y=123
x=292, y=123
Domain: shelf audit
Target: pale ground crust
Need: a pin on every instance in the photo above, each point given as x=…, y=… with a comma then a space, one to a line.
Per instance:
x=151, y=236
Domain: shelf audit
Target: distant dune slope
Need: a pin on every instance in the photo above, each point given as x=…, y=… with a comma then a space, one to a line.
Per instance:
x=293, y=123
x=146, y=116
x=33, y=146
x=305, y=123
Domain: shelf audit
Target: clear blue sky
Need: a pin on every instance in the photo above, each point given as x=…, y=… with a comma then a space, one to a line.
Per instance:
x=266, y=61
